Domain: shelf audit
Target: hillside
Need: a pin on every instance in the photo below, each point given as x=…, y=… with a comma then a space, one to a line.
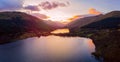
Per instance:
x=82, y=21
x=109, y=20
x=15, y=24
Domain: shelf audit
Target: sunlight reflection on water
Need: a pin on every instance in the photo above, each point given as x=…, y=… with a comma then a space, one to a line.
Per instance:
x=49, y=49
x=60, y=31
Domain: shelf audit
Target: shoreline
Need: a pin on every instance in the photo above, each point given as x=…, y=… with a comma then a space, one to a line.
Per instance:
x=9, y=39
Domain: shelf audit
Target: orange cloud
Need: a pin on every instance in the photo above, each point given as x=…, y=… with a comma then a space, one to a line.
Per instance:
x=72, y=18
x=75, y=17
x=94, y=11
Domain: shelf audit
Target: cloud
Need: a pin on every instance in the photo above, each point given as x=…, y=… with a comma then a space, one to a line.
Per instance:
x=94, y=11
x=51, y=5
x=18, y=5
x=46, y=5
x=75, y=17
x=32, y=8
x=11, y=4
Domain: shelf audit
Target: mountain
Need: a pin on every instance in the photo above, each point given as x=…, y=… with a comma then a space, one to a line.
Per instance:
x=88, y=15
x=82, y=21
x=109, y=20
x=78, y=17
x=54, y=24
x=15, y=24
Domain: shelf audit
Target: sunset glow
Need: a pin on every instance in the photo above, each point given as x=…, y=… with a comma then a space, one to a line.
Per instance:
x=60, y=10
x=58, y=16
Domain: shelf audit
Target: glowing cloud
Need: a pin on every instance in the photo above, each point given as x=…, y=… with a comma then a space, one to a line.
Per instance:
x=75, y=17
x=94, y=11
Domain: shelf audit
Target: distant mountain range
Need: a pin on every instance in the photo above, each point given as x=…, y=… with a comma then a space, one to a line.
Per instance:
x=54, y=24
x=109, y=20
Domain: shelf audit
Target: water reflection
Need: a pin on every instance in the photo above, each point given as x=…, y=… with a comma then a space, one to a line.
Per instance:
x=60, y=31
x=48, y=49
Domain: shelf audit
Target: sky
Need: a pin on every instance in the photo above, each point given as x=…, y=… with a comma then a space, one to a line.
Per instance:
x=60, y=9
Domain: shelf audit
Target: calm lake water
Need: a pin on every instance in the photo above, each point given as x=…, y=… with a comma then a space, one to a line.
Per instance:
x=49, y=49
